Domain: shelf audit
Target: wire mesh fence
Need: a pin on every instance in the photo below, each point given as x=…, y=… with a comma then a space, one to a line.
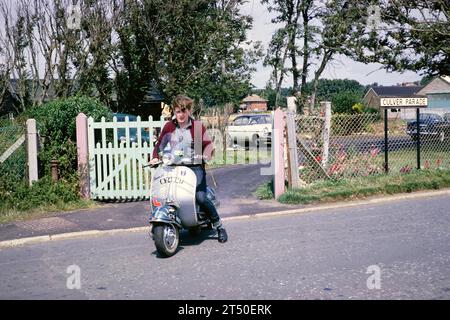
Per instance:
x=356, y=146
x=13, y=167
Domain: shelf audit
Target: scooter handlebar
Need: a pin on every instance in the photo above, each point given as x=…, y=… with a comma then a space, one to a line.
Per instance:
x=153, y=165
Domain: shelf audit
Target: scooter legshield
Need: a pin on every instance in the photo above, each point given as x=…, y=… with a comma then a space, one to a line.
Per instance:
x=176, y=185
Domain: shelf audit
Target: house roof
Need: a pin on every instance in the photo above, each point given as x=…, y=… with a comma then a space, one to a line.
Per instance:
x=446, y=79
x=396, y=91
x=439, y=85
x=254, y=98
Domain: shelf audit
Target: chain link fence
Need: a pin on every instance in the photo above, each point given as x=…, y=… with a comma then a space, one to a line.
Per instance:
x=356, y=146
x=13, y=170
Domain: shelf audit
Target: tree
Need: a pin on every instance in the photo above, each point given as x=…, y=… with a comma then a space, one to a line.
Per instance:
x=343, y=102
x=124, y=47
x=411, y=35
x=195, y=47
x=327, y=88
x=326, y=29
x=75, y=59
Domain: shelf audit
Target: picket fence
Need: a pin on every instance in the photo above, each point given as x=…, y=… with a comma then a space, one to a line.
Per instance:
x=116, y=164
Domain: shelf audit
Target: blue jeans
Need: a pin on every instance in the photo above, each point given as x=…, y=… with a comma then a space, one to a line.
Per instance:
x=200, y=196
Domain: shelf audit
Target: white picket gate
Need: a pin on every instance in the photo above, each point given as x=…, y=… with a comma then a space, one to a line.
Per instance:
x=116, y=167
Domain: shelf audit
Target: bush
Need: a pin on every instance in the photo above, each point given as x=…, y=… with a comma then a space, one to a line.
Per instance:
x=344, y=101
x=43, y=193
x=12, y=172
x=56, y=122
x=358, y=107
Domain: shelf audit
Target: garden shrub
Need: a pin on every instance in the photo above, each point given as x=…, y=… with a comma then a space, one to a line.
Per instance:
x=56, y=122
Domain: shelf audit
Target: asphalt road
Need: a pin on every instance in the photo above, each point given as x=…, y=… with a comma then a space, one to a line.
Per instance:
x=319, y=255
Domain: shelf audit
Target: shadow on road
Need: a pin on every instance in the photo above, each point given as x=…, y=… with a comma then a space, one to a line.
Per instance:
x=187, y=240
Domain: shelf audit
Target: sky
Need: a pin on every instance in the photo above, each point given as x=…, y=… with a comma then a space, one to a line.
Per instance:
x=341, y=68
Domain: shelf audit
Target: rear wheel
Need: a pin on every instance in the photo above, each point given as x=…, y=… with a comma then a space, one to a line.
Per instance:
x=167, y=238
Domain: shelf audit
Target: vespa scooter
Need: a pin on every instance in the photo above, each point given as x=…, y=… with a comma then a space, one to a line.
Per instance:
x=173, y=205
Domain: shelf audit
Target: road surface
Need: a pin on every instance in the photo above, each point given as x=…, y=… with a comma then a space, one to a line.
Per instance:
x=393, y=250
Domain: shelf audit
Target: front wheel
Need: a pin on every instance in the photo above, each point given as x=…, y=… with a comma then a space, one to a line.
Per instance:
x=167, y=238
x=256, y=141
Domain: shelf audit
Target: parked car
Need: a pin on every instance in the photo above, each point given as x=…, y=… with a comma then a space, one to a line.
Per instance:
x=254, y=128
x=431, y=125
x=121, y=133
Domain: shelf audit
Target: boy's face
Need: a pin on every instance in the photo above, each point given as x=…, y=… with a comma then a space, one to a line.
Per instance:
x=182, y=115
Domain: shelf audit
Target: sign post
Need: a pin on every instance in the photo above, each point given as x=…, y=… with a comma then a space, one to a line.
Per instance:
x=405, y=102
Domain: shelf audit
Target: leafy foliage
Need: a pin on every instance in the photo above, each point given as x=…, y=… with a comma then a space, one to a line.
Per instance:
x=412, y=35
x=328, y=88
x=193, y=47
x=57, y=127
x=42, y=193
x=343, y=102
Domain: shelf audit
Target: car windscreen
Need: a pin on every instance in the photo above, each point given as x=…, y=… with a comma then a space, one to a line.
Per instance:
x=240, y=121
x=260, y=120
x=430, y=116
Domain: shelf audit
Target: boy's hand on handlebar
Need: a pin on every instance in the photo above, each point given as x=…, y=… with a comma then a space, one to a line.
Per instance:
x=154, y=161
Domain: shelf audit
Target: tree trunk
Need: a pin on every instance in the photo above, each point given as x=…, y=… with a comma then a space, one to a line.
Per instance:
x=326, y=57
x=306, y=51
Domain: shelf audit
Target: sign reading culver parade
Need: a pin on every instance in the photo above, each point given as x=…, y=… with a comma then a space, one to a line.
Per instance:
x=404, y=102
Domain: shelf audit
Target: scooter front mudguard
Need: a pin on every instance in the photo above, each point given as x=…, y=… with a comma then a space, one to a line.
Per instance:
x=165, y=214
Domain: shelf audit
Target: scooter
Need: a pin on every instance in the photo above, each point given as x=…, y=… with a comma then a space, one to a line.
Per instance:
x=173, y=205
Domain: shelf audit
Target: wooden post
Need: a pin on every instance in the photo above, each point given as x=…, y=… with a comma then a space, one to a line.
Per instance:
x=32, y=150
x=294, y=179
x=326, y=133
x=277, y=153
x=82, y=152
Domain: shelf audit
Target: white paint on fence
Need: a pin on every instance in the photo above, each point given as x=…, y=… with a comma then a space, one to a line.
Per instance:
x=326, y=133
x=11, y=149
x=115, y=162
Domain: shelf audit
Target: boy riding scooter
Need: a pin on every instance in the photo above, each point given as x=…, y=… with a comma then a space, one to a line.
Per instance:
x=188, y=138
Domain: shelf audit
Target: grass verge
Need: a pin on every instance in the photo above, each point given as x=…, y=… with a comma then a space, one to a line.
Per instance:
x=361, y=187
x=47, y=210
x=18, y=201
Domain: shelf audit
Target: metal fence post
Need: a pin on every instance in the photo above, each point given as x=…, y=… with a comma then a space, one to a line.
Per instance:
x=82, y=152
x=32, y=150
x=386, y=142
x=418, y=137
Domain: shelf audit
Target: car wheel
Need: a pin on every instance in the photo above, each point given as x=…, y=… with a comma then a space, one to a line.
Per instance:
x=255, y=141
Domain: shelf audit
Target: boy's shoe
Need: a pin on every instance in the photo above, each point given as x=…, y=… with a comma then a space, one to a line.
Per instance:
x=222, y=235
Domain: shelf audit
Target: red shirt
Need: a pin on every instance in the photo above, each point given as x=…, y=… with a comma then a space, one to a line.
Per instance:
x=204, y=146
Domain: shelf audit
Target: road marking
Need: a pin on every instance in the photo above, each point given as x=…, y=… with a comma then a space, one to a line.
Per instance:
x=98, y=233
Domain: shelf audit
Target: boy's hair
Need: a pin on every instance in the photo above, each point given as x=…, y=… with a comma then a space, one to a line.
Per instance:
x=183, y=102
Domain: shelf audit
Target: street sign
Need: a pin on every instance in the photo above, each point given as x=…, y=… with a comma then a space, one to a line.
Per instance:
x=411, y=102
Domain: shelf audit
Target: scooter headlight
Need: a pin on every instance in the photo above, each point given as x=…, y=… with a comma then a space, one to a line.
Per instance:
x=167, y=159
